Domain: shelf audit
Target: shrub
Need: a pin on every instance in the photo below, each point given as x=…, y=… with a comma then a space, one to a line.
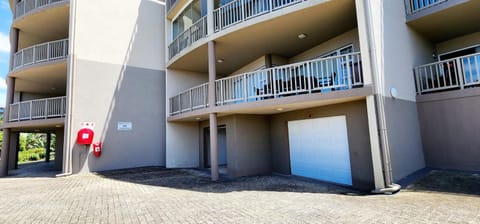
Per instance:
x=33, y=157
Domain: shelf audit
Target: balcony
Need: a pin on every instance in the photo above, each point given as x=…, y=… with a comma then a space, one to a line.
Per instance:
x=240, y=10
x=315, y=76
x=414, y=6
x=192, y=99
x=27, y=6
x=38, y=109
x=441, y=20
x=226, y=16
x=195, y=32
x=456, y=73
x=50, y=51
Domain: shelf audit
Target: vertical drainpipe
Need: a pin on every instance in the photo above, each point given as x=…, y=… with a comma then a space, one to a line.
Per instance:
x=68, y=141
x=212, y=73
x=9, y=100
x=379, y=104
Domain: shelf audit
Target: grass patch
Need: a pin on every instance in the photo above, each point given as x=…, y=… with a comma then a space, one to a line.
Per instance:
x=31, y=155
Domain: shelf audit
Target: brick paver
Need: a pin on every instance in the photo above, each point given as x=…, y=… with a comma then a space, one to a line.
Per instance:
x=154, y=195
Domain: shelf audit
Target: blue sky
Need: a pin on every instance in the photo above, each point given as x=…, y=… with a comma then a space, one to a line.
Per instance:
x=5, y=21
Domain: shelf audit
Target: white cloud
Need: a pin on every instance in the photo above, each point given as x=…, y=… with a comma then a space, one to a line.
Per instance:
x=4, y=43
x=3, y=84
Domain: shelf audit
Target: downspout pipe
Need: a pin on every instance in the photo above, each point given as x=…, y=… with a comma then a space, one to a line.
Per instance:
x=378, y=83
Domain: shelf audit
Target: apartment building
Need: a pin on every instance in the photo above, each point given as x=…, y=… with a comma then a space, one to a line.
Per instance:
x=355, y=92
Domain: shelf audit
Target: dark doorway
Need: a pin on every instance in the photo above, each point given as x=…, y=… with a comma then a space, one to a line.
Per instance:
x=222, y=146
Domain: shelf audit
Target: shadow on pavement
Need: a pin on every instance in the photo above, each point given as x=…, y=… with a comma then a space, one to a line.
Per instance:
x=198, y=180
x=34, y=169
x=448, y=182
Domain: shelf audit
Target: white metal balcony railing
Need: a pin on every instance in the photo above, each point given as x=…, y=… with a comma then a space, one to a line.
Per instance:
x=25, y=6
x=240, y=10
x=38, y=109
x=417, y=5
x=195, y=32
x=41, y=53
x=318, y=75
x=224, y=17
x=191, y=99
x=455, y=73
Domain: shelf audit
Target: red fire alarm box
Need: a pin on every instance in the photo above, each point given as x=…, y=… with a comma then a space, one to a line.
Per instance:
x=97, y=149
x=85, y=136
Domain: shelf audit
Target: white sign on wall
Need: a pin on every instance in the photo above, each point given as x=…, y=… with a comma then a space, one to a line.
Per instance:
x=124, y=126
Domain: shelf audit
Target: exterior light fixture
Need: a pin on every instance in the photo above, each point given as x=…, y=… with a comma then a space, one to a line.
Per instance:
x=279, y=109
x=220, y=60
x=197, y=118
x=302, y=36
x=394, y=93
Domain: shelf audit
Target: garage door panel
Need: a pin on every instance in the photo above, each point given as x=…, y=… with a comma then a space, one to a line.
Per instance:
x=319, y=149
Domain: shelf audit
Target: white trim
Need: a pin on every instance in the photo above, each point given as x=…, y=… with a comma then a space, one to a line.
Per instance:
x=336, y=51
x=457, y=50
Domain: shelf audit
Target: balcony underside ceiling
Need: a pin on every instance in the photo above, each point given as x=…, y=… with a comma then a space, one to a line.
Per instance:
x=49, y=79
x=40, y=125
x=43, y=26
x=278, y=36
x=449, y=23
x=12, y=4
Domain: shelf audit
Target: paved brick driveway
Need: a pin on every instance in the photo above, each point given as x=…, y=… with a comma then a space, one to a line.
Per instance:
x=154, y=195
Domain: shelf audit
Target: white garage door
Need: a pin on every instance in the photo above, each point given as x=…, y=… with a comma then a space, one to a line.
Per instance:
x=319, y=149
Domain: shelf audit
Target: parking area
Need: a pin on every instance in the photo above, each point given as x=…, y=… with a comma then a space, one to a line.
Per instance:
x=157, y=195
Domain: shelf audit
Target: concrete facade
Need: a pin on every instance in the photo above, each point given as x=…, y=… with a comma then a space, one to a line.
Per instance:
x=448, y=121
x=357, y=128
x=123, y=70
x=135, y=69
x=247, y=143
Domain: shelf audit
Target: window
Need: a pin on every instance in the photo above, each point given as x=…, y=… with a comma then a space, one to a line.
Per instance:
x=335, y=72
x=470, y=63
x=192, y=13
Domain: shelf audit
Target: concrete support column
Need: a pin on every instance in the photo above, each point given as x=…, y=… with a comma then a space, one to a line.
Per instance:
x=210, y=19
x=47, y=147
x=4, y=155
x=13, y=154
x=59, y=138
x=13, y=45
x=214, y=146
x=212, y=74
x=6, y=131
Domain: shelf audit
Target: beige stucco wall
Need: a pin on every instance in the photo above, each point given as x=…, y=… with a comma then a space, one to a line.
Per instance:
x=30, y=96
x=449, y=127
x=116, y=74
x=458, y=43
x=248, y=144
x=342, y=40
x=116, y=34
x=252, y=66
x=403, y=49
x=358, y=139
x=182, y=138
